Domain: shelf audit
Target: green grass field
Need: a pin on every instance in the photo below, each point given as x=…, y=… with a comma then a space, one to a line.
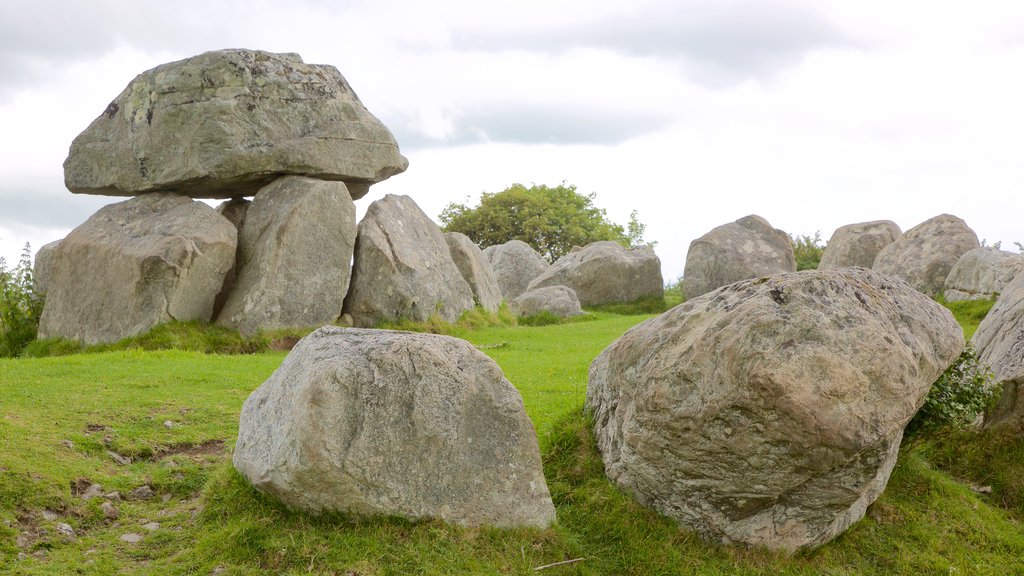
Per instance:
x=64, y=421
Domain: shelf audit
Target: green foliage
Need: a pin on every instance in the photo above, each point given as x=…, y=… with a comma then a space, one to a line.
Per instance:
x=807, y=250
x=20, y=306
x=960, y=394
x=648, y=305
x=550, y=219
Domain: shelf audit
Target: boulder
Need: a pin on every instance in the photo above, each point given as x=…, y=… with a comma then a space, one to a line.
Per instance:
x=515, y=265
x=234, y=210
x=770, y=412
x=606, y=273
x=927, y=252
x=558, y=300
x=981, y=274
x=135, y=264
x=475, y=270
x=999, y=341
x=295, y=250
x=41, y=267
x=746, y=248
x=858, y=244
x=224, y=124
x=377, y=422
x=403, y=269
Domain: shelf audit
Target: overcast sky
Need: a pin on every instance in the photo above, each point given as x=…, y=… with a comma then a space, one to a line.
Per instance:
x=812, y=114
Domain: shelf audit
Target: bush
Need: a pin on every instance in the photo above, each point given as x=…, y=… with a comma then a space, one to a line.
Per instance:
x=807, y=250
x=960, y=394
x=20, y=306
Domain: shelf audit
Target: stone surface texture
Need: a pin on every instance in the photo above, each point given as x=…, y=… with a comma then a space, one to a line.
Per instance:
x=558, y=300
x=42, y=265
x=475, y=270
x=136, y=264
x=377, y=422
x=225, y=123
x=999, y=341
x=858, y=244
x=746, y=248
x=927, y=252
x=606, y=273
x=234, y=210
x=515, y=265
x=981, y=274
x=403, y=269
x=770, y=412
x=295, y=250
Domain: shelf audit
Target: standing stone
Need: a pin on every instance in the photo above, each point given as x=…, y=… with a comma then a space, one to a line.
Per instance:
x=135, y=264
x=746, y=248
x=377, y=422
x=294, y=254
x=927, y=252
x=403, y=269
x=41, y=267
x=515, y=265
x=560, y=301
x=770, y=412
x=224, y=124
x=858, y=244
x=475, y=270
x=999, y=341
x=234, y=210
x=981, y=274
x=606, y=273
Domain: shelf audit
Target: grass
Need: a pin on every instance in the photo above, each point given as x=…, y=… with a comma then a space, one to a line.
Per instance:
x=968, y=313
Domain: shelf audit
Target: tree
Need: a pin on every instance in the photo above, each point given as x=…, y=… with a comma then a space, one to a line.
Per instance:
x=20, y=306
x=550, y=219
x=807, y=250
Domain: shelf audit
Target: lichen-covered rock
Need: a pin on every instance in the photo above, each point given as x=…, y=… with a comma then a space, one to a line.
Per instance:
x=41, y=267
x=606, y=273
x=515, y=265
x=403, y=269
x=858, y=244
x=560, y=301
x=982, y=274
x=376, y=422
x=135, y=264
x=927, y=252
x=295, y=250
x=223, y=124
x=746, y=248
x=999, y=341
x=770, y=412
x=475, y=270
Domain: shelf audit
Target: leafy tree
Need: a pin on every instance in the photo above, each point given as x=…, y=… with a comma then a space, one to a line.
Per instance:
x=550, y=219
x=20, y=306
x=807, y=250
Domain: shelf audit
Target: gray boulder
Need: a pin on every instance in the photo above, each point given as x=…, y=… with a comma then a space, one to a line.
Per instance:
x=927, y=252
x=475, y=270
x=42, y=265
x=858, y=244
x=770, y=412
x=136, y=264
x=234, y=210
x=981, y=274
x=376, y=422
x=295, y=250
x=999, y=341
x=515, y=265
x=558, y=300
x=746, y=248
x=606, y=273
x=226, y=123
x=403, y=269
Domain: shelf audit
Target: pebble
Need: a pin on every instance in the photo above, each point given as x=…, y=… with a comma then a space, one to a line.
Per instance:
x=122, y=460
x=22, y=555
x=93, y=491
x=109, y=510
x=143, y=492
x=131, y=538
x=168, y=424
x=114, y=496
x=50, y=516
x=152, y=526
x=65, y=529
x=68, y=444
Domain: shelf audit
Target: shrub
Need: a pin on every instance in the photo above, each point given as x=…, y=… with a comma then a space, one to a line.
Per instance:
x=20, y=306
x=807, y=250
x=960, y=394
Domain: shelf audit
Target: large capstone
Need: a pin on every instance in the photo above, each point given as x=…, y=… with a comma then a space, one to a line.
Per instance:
x=982, y=274
x=135, y=264
x=403, y=269
x=515, y=265
x=295, y=250
x=925, y=255
x=999, y=341
x=223, y=124
x=475, y=269
x=770, y=412
x=376, y=422
x=858, y=244
x=606, y=273
x=746, y=248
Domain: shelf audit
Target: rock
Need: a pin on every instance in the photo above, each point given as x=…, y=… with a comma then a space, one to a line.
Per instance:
x=143, y=492
x=168, y=424
x=746, y=248
x=378, y=422
x=560, y=301
x=109, y=510
x=982, y=274
x=65, y=530
x=50, y=516
x=151, y=526
x=295, y=253
x=999, y=341
x=858, y=244
x=475, y=270
x=93, y=491
x=131, y=538
x=41, y=267
x=224, y=124
x=235, y=211
x=606, y=273
x=515, y=265
x=134, y=265
x=402, y=268
x=68, y=444
x=770, y=412
x=122, y=460
x=114, y=496
x=927, y=252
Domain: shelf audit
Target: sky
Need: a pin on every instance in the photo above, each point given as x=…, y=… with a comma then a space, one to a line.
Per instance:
x=694, y=113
